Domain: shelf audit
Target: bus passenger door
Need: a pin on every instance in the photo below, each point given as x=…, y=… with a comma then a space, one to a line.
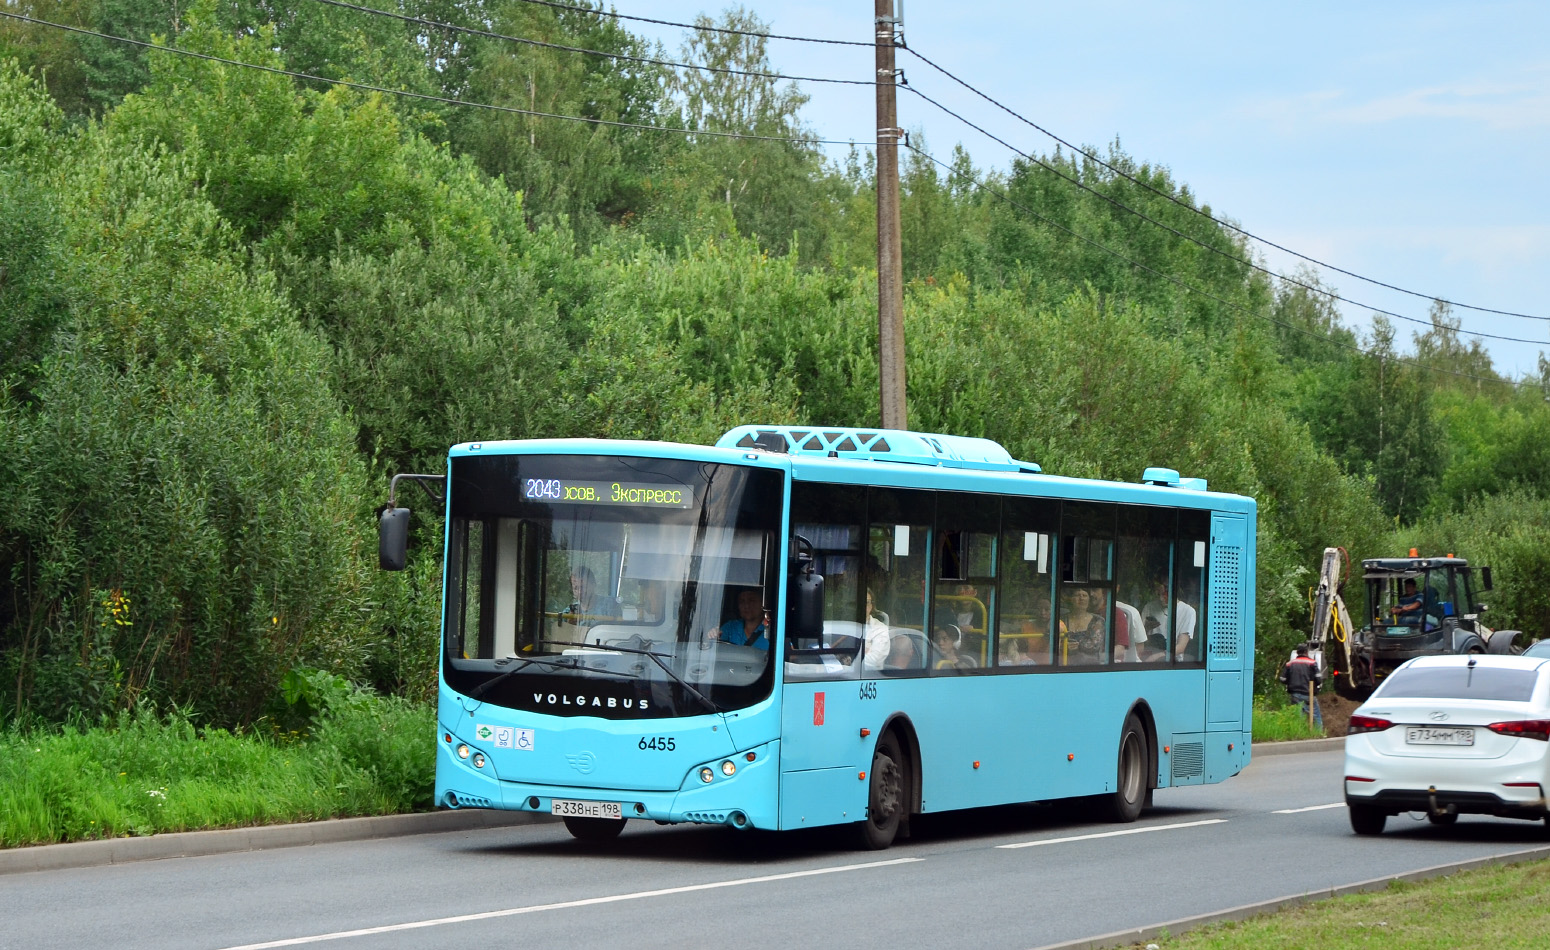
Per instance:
x=1229, y=638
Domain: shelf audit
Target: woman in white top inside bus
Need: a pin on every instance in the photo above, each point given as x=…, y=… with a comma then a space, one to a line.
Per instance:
x=878, y=641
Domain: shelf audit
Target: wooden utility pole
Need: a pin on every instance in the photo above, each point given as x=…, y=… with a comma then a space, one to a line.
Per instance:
x=890, y=253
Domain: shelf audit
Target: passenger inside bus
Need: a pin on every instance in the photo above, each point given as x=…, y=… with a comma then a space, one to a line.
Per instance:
x=1014, y=652
x=1042, y=621
x=1087, y=631
x=878, y=644
x=946, y=641
x=588, y=603
x=906, y=652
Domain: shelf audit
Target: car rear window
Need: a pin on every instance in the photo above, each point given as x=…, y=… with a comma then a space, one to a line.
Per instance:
x=1460, y=682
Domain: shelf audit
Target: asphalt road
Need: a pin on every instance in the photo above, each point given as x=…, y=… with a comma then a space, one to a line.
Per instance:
x=1014, y=877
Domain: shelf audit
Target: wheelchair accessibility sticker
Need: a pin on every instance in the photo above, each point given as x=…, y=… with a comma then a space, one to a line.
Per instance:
x=506, y=737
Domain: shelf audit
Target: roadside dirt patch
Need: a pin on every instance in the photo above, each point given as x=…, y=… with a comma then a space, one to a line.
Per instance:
x=1336, y=711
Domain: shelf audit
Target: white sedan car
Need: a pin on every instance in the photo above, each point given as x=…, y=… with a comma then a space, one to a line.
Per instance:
x=1448, y=735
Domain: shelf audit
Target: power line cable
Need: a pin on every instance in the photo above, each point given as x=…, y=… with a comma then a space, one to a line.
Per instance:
x=1312, y=288
x=1205, y=214
x=474, y=31
x=614, y=123
x=1182, y=284
x=694, y=26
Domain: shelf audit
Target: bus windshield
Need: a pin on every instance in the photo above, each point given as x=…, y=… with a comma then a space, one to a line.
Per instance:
x=612, y=587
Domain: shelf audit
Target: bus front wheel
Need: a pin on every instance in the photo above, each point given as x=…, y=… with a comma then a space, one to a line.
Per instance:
x=1124, y=804
x=885, y=796
x=594, y=829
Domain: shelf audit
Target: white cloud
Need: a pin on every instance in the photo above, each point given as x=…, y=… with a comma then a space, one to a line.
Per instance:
x=1517, y=102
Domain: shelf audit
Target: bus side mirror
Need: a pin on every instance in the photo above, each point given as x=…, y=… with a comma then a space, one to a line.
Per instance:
x=1485, y=579
x=806, y=606
x=805, y=601
x=393, y=539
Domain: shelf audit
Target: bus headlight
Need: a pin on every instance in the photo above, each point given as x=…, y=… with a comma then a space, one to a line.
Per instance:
x=729, y=768
x=706, y=774
x=462, y=751
x=478, y=760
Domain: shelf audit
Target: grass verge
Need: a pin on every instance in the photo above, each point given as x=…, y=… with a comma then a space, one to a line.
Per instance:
x=143, y=774
x=1499, y=907
x=1279, y=725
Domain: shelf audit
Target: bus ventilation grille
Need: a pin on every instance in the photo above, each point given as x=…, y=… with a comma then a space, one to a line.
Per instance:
x=707, y=817
x=1226, y=617
x=471, y=801
x=1189, y=759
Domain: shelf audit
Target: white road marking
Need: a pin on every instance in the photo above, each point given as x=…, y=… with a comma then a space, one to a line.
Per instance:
x=565, y=905
x=1116, y=834
x=1294, y=811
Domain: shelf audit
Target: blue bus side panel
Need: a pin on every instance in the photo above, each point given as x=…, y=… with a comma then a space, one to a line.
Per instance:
x=1225, y=701
x=1226, y=755
x=815, y=797
x=984, y=740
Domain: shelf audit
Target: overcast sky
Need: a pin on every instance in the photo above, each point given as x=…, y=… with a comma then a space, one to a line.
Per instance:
x=1402, y=141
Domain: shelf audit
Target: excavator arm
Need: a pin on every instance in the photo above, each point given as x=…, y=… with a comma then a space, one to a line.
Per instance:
x=1331, y=623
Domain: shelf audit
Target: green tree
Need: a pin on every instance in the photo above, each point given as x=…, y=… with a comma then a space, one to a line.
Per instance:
x=590, y=174
x=712, y=186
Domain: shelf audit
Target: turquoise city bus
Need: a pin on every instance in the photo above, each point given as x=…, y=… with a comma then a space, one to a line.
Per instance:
x=806, y=627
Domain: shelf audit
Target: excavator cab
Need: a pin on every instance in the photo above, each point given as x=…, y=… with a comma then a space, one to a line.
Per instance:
x=1406, y=602
x=1415, y=607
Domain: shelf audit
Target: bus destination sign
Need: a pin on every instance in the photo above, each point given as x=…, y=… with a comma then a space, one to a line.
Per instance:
x=564, y=491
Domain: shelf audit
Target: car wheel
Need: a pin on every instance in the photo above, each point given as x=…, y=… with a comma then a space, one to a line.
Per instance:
x=885, y=796
x=1367, y=820
x=594, y=829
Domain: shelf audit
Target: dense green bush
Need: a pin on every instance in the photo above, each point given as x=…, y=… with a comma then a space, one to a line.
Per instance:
x=139, y=774
x=174, y=445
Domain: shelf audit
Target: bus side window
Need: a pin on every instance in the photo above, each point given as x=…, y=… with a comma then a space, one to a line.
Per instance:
x=1143, y=557
x=1027, y=555
x=1086, y=575
x=829, y=518
x=898, y=548
x=1191, y=564
x=964, y=595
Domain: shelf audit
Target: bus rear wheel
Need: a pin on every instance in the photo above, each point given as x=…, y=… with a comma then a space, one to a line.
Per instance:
x=594, y=829
x=885, y=796
x=1124, y=804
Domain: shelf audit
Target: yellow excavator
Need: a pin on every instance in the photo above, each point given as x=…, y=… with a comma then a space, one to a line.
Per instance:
x=1416, y=606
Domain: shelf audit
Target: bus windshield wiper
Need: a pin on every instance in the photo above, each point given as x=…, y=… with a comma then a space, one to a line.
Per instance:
x=657, y=659
x=523, y=662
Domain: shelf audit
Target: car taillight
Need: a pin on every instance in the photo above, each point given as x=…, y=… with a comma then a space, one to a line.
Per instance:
x=1524, y=729
x=1361, y=724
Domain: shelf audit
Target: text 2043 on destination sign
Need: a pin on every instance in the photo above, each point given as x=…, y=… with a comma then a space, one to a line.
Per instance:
x=637, y=494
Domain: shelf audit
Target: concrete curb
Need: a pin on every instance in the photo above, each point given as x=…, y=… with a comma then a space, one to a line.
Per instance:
x=184, y=844
x=1173, y=928
x=1258, y=749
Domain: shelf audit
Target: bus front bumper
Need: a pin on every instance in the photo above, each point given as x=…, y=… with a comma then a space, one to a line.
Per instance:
x=745, y=799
